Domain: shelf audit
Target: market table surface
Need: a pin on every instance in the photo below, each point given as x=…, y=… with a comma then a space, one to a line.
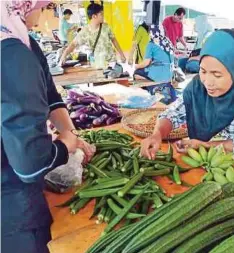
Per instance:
x=76, y=233
x=82, y=75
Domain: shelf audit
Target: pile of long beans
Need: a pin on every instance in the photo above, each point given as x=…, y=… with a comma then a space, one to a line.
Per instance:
x=120, y=180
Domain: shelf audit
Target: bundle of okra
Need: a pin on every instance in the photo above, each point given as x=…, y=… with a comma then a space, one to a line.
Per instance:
x=119, y=179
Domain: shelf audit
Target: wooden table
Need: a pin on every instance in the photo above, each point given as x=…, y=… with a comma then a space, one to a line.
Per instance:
x=81, y=75
x=75, y=233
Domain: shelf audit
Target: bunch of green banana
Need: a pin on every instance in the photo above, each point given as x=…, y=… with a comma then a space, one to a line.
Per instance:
x=216, y=161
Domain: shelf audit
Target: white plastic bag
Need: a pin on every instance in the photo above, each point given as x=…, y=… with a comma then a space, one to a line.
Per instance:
x=69, y=174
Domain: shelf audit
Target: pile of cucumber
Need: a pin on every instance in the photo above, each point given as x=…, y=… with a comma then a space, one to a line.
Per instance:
x=198, y=221
x=218, y=163
x=119, y=179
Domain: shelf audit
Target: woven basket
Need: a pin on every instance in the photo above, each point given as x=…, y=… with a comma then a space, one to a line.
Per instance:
x=138, y=123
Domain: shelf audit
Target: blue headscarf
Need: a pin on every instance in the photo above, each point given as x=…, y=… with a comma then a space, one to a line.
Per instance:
x=207, y=116
x=163, y=42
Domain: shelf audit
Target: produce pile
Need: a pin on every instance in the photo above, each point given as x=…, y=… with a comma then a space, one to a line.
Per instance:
x=196, y=221
x=120, y=180
x=148, y=126
x=218, y=163
x=88, y=109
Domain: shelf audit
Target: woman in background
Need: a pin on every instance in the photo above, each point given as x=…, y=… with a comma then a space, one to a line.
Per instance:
x=140, y=42
x=158, y=63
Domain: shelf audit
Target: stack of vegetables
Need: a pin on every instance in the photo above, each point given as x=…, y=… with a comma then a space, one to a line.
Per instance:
x=196, y=221
x=119, y=179
x=218, y=163
x=88, y=109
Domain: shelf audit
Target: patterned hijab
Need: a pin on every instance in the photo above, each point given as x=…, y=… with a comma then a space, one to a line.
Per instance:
x=14, y=13
x=162, y=41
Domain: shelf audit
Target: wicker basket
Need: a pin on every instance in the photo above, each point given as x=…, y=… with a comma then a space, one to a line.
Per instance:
x=139, y=122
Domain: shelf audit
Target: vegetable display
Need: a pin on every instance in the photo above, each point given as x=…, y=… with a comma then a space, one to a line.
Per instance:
x=196, y=221
x=219, y=165
x=88, y=109
x=117, y=175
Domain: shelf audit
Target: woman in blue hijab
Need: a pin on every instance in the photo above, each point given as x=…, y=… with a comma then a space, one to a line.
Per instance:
x=207, y=104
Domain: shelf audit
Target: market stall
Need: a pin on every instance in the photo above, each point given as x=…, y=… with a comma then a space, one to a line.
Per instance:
x=84, y=75
x=75, y=233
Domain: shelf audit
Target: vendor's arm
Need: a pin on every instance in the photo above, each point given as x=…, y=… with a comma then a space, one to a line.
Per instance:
x=228, y=144
x=71, y=47
x=183, y=145
x=29, y=148
x=172, y=118
x=116, y=45
x=181, y=37
x=118, y=48
x=182, y=40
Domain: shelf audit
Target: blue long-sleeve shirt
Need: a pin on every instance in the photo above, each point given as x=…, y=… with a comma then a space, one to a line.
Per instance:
x=28, y=152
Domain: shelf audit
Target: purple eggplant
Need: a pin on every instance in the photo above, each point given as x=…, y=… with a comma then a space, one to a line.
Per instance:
x=109, y=109
x=82, y=125
x=100, y=120
x=74, y=95
x=89, y=100
x=83, y=117
x=77, y=107
x=89, y=93
x=114, y=105
x=96, y=110
x=76, y=114
x=112, y=120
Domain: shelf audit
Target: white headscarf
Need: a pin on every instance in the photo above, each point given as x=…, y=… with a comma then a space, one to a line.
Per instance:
x=14, y=13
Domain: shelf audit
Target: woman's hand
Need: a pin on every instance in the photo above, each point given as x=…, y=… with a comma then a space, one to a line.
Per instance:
x=89, y=150
x=183, y=145
x=151, y=145
x=69, y=139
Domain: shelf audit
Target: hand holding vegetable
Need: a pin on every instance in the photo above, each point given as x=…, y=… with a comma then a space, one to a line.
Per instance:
x=151, y=145
x=89, y=150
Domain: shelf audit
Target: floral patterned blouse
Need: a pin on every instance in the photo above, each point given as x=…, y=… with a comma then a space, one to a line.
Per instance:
x=177, y=115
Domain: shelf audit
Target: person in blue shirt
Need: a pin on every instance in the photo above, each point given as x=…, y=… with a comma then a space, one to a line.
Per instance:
x=65, y=27
x=159, y=57
x=27, y=150
x=158, y=63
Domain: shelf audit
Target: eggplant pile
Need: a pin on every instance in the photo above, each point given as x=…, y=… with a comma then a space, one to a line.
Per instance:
x=88, y=110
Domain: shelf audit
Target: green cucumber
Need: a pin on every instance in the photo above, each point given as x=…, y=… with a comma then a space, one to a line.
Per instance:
x=188, y=207
x=225, y=246
x=211, y=215
x=118, y=244
x=207, y=237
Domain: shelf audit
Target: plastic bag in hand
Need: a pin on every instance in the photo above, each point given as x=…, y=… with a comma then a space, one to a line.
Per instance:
x=69, y=174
